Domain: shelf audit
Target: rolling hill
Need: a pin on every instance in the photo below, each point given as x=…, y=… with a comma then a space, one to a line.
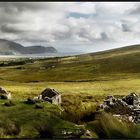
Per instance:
x=118, y=63
x=40, y=49
x=83, y=81
x=11, y=48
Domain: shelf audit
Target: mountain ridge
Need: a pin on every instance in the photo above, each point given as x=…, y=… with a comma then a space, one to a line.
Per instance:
x=125, y=50
x=83, y=68
x=12, y=48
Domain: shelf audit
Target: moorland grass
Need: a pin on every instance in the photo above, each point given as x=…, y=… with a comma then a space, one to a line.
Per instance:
x=83, y=82
x=107, y=126
x=23, y=120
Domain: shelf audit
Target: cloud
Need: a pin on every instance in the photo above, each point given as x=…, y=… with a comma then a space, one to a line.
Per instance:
x=74, y=25
x=125, y=28
x=82, y=7
x=135, y=10
x=8, y=29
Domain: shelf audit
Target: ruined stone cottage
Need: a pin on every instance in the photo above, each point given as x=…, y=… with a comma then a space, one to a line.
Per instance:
x=51, y=96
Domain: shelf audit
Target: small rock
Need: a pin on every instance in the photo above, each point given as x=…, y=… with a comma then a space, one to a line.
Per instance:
x=10, y=103
x=88, y=133
x=130, y=118
x=38, y=106
x=30, y=101
x=131, y=99
x=4, y=94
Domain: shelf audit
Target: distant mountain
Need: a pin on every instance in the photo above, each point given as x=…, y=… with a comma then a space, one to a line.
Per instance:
x=12, y=48
x=40, y=49
x=116, y=64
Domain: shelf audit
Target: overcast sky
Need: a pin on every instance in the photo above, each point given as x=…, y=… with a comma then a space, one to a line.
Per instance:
x=71, y=26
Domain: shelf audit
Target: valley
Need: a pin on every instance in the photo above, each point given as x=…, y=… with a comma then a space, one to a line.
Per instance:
x=83, y=81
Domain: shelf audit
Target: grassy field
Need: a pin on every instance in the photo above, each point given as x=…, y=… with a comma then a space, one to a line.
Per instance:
x=82, y=80
x=100, y=88
x=82, y=68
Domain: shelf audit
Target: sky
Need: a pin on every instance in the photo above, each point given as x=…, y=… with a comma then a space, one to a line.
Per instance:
x=71, y=26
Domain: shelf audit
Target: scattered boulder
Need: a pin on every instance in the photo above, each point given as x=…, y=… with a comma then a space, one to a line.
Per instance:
x=4, y=94
x=9, y=103
x=116, y=106
x=87, y=134
x=33, y=100
x=38, y=106
x=131, y=99
x=30, y=101
x=71, y=133
x=127, y=108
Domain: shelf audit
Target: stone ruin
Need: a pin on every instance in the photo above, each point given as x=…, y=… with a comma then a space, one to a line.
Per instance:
x=127, y=108
x=50, y=95
x=4, y=94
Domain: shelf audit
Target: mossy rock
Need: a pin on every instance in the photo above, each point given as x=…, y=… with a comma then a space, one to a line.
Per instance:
x=2, y=96
x=39, y=106
x=30, y=101
x=9, y=103
x=33, y=101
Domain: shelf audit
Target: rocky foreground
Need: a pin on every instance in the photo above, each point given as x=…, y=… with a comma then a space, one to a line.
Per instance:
x=126, y=108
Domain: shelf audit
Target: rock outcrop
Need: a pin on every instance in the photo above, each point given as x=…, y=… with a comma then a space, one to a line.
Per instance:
x=4, y=94
x=127, y=107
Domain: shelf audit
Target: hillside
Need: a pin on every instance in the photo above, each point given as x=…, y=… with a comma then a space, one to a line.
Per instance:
x=39, y=49
x=83, y=81
x=118, y=63
x=12, y=48
x=118, y=51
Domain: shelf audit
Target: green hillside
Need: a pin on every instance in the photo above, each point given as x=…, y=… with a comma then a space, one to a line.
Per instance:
x=124, y=62
x=83, y=81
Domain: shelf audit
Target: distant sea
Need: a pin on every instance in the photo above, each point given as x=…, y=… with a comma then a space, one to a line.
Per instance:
x=44, y=55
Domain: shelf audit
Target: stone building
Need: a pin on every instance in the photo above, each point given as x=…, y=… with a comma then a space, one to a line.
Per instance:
x=51, y=96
